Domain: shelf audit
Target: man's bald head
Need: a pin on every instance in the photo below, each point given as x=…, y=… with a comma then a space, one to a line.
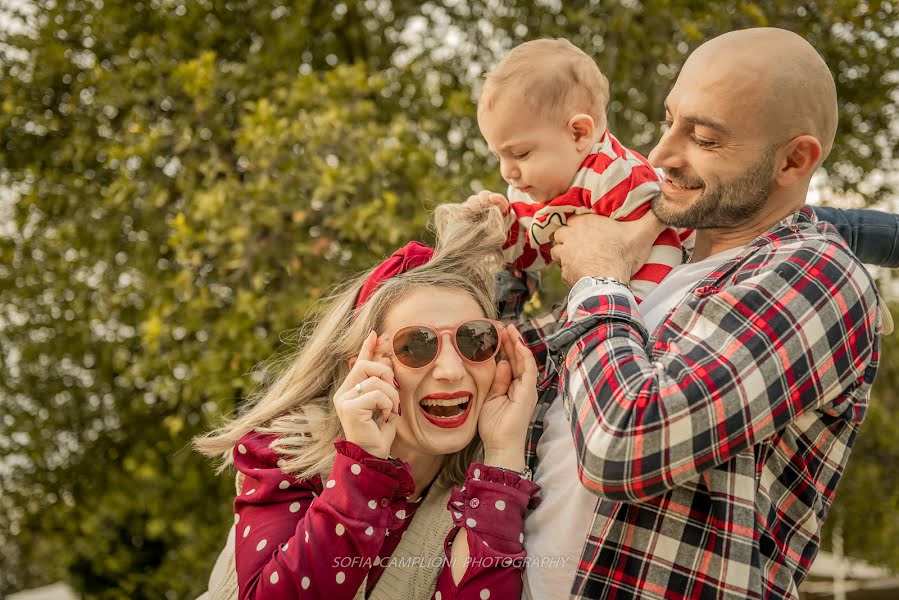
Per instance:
x=781, y=80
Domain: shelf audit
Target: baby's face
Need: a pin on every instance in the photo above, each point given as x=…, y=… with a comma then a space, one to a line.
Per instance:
x=536, y=156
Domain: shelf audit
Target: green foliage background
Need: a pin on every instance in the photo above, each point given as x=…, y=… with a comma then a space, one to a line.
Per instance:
x=191, y=176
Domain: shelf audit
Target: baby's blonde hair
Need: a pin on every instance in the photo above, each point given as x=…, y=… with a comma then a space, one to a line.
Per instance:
x=553, y=77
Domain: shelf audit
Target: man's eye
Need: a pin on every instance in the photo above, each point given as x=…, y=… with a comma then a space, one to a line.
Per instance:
x=703, y=143
x=665, y=124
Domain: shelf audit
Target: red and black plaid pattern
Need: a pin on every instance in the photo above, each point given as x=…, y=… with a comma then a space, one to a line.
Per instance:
x=715, y=444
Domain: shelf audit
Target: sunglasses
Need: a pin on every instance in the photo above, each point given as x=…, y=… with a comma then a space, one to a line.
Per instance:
x=416, y=346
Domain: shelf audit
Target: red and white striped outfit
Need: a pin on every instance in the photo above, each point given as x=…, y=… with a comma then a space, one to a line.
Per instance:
x=613, y=181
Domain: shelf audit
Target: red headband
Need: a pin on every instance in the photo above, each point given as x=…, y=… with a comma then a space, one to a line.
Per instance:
x=413, y=254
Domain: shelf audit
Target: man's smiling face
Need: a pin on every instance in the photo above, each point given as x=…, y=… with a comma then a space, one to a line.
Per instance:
x=717, y=157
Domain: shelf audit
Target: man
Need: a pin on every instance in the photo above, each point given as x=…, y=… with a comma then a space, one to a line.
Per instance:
x=711, y=424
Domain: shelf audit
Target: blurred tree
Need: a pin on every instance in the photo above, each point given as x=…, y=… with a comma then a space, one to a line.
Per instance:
x=191, y=176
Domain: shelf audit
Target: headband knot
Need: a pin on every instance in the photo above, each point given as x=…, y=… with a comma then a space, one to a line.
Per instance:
x=410, y=256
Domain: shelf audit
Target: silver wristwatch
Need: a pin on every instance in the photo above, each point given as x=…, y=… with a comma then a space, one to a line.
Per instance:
x=590, y=281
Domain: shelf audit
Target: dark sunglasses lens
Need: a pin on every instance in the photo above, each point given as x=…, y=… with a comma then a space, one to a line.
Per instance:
x=415, y=346
x=477, y=340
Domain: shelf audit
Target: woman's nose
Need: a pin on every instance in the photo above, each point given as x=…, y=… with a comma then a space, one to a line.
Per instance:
x=448, y=364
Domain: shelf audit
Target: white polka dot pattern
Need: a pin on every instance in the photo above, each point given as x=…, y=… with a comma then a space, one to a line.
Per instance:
x=267, y=493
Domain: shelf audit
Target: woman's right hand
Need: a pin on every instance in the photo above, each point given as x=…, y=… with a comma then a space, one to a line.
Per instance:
x=506, y=414
x=356, y=406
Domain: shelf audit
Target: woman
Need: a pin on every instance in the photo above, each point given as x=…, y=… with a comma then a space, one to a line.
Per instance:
x=349, y=459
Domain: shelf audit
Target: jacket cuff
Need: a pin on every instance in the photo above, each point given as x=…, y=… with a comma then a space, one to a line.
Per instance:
x=493, y=501
x=395, y=474
x=615, y=308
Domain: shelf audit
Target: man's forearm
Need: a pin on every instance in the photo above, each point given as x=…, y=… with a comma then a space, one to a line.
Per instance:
x=731, y=368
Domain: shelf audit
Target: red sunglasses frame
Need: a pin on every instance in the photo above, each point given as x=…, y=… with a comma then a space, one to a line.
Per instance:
x=440, y=331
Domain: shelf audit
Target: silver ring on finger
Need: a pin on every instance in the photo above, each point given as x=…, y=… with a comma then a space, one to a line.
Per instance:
x=359, y=390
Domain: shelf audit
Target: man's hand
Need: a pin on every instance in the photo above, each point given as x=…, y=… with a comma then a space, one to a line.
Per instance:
x=600, y=247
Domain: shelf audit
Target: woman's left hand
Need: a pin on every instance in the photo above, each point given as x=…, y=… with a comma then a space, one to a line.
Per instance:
x=507, y=411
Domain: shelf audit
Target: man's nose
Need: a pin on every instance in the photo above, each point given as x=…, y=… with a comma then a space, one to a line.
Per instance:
x=666, y=154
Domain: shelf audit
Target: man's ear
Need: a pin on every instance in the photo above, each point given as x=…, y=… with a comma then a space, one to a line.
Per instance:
x=581, y=127
x=798, y=159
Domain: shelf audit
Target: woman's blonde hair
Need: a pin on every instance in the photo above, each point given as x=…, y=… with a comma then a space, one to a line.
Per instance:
x=296, y=405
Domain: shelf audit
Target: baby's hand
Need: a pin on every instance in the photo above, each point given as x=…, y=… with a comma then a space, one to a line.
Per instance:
x=486, y=198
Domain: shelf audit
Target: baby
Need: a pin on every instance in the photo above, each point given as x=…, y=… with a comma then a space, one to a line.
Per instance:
x=542, y=114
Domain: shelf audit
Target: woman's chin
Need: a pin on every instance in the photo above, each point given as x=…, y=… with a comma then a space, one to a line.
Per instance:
x=441, y=440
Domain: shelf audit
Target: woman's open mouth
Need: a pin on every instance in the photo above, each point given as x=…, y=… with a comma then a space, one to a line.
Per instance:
x=446, y=410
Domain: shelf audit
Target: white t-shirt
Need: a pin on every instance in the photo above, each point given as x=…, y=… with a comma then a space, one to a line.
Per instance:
x=555, y=532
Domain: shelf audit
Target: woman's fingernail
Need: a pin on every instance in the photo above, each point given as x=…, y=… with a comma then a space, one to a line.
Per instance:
x=396, y=383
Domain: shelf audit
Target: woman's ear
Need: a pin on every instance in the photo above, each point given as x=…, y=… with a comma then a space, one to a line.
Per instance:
x=352, y=360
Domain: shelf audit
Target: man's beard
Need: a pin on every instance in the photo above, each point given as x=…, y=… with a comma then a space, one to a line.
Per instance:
x=726, y=205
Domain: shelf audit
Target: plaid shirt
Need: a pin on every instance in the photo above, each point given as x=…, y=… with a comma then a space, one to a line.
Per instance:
x=714, y=445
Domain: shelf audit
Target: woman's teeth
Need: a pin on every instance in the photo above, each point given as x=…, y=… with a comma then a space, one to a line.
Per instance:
x=447, y=408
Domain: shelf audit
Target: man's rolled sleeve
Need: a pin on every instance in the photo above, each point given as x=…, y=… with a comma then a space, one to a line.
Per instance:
x=730, y=367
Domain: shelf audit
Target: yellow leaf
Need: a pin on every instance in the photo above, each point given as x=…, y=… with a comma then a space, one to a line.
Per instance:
x=174, y=424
